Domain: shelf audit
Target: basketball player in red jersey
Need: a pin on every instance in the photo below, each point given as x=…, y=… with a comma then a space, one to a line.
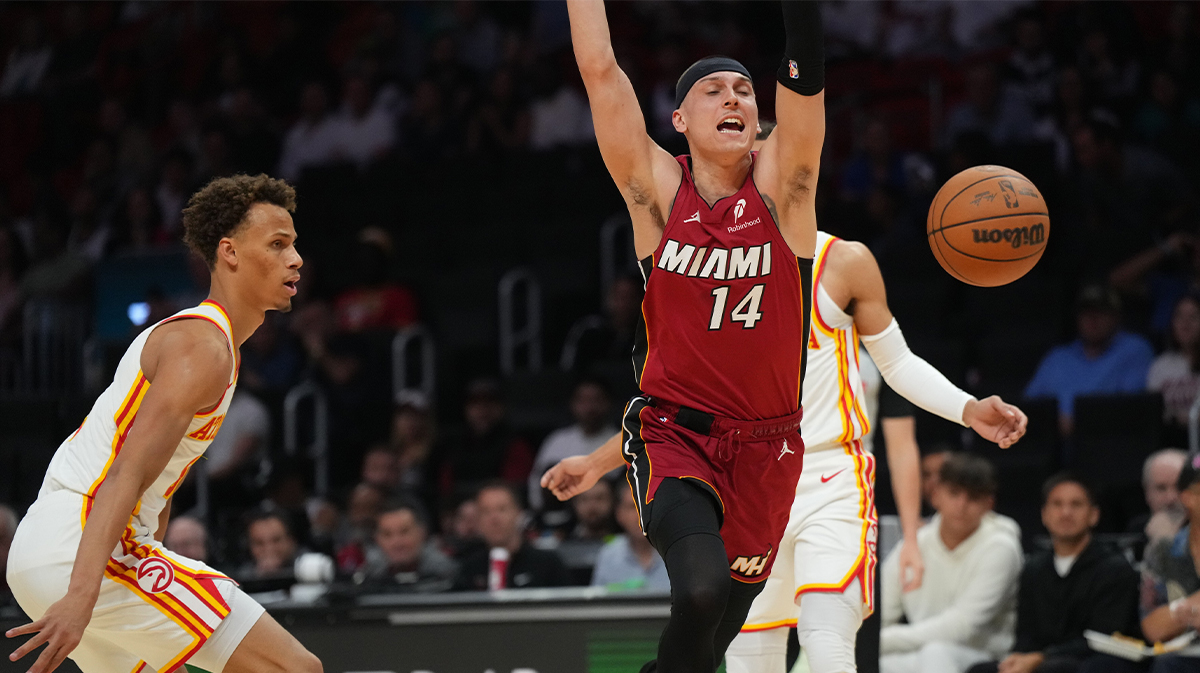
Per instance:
x=87, y=562
x=726, y=238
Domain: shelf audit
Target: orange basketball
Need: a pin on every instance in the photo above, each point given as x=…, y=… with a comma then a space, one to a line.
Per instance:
x=988, y=226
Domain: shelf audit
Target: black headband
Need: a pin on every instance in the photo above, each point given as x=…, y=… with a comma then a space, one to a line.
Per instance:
x=703, y=68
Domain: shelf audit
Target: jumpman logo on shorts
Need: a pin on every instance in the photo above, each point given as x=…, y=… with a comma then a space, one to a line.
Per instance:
x=785, y=450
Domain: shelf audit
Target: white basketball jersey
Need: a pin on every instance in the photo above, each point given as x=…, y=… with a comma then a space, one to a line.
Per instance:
x=82, y=461
x=834, y=396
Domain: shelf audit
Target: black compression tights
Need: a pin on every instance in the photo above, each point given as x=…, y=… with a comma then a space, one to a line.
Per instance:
x=708, y=607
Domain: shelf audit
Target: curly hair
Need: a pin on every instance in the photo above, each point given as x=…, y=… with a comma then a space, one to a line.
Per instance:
x=219, y=208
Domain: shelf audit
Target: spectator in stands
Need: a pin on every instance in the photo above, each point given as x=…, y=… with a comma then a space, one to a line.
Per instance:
x=1170, y=602
x=560, y=113
x=375, y=302
x=460, y=528
x=998, y=112
x=874, y=164
x=272, y=544
x=591, y=407
x=309, y=142
x=364, y=132
x=187, y=536
x=8, y=528
x=234, y=459
x=1160, y=476
x=271, y=359
x=931, y=466
x=1176, y=373
x=1077, y=585
x=1103, y=360
x=502, y=525
x=1031, y=64
x=380, y=469
x=488, y=449
x=413, y=434
x=131, y=146
x=402, y=558
x=171, y=195
x=501, y=123
x=357, y=527
x=28, y=61
x=629, y=561
x=968, y=615
x=613, y=341
x=1169, y=121
x=594, y=527
x=1163, y=274
x=138, y=226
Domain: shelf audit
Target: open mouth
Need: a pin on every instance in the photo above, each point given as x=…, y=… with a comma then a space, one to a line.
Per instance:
x=291, y=285
x=731, y=125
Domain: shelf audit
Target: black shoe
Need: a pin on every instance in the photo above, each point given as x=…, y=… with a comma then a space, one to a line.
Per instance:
x=650, y=667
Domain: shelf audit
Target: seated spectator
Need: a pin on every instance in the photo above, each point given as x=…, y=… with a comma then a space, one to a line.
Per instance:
x=273, y=546
x=594, y=526
x=1103, y=360
x=309, y=142
x=381, y=469
x=402, y=557
x=931, y=467
x=1170, y=601
x=234, y=458
x=967, y=615
x=613, y=341
x=501, y=525
x=998, y=112
x=1077, y=585
x=375, y=302
x=488, y=449
x=1174, y=374
x=357, y=526
x=1160, y=474
x=8, y=529
x=363, y=131
x=188, y=537
x=460, y=528
x=591, y=409
x=412, y=437
x=629, y=561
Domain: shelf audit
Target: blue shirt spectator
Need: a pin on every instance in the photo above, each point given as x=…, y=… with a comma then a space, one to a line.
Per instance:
x=1104, y=359
x=629, y=561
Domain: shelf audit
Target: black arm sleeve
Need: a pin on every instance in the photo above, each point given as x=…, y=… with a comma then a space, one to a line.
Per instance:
x=803, y=66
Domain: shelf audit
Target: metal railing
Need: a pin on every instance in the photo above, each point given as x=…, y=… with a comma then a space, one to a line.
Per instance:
x=570, y=350
x=529, y=335
x=319, y=449
x=420, y=336
x=52, y=345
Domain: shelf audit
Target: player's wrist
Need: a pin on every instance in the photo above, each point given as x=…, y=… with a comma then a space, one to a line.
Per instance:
x=968, y=413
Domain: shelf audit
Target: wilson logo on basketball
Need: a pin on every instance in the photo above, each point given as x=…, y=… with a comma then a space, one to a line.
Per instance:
x=154, y=575
x=1016, y=237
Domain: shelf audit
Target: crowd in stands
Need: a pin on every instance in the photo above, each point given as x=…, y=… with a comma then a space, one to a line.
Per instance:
x=112, y=114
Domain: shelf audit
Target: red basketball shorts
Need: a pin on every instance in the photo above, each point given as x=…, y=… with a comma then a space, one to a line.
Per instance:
x=749, y=467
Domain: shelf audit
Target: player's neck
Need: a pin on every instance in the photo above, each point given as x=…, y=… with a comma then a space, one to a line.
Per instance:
x=717, y=177
x=243, y=320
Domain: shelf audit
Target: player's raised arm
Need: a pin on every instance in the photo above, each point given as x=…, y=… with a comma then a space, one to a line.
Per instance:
x=645, y=173
x=188, y=371
x=790, y=160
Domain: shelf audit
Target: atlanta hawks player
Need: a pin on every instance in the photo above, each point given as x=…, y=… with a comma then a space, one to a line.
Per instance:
x=726, y=238
x=87, y=561
x=827, y=558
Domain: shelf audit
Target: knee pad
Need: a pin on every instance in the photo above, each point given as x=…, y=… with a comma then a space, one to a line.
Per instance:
x=827, y=628
x=758, y=652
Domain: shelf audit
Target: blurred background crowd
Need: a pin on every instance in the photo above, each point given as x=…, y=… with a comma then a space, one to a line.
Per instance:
x=469, y=294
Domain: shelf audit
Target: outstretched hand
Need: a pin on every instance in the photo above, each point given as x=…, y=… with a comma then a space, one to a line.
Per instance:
x=60, y=629
x=996, y=420
x=570, y=477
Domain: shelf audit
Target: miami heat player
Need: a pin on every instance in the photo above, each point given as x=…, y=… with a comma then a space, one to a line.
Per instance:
x=87, y=562
x=726, y=239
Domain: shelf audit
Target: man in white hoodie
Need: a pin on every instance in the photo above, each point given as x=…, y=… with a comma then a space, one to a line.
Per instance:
x=965, y=611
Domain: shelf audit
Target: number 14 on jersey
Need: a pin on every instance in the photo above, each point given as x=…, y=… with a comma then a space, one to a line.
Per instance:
x=746, y=311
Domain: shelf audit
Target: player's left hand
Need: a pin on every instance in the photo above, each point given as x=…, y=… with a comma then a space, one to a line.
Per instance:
x=60, y=629
x=996, y=420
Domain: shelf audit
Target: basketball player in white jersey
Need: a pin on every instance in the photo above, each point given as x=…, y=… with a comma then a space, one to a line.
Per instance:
x=825, y=573
x=87, y=563
x=827, y=556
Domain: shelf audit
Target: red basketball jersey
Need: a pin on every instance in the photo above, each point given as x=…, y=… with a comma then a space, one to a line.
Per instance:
x=726, y=312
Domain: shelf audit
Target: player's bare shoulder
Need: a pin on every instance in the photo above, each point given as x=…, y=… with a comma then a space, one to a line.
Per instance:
x=851, y=273
x=192, y=353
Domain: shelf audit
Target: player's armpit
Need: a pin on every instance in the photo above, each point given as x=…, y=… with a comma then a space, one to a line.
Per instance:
x=646, y=175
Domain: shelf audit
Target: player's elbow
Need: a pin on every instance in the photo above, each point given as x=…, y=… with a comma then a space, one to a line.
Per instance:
x=597, y=68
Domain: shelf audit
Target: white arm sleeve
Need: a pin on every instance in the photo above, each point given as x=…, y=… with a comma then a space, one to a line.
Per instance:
x=915, y=379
